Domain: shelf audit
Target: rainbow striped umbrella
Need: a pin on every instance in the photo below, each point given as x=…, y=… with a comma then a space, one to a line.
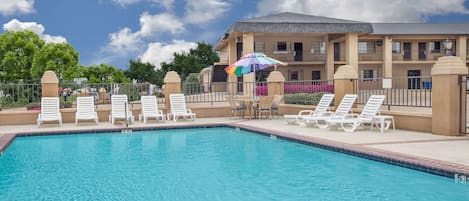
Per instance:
x=251, y=63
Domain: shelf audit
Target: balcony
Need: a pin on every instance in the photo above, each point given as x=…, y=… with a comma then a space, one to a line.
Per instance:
x=293, y=57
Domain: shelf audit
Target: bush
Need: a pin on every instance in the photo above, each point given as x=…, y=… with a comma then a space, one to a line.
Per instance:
x=303, y=98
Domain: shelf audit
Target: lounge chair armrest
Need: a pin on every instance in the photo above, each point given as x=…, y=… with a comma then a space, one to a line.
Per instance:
x=305, y=112
x=348, y=116
x=189, y=110
x=161, y=112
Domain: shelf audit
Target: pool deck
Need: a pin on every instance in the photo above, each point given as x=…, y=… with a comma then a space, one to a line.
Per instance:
x=445, y=153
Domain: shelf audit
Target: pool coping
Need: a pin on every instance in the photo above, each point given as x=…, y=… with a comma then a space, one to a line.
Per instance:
x=432, y=166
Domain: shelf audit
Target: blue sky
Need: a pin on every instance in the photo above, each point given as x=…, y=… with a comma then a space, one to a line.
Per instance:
x=115, y=31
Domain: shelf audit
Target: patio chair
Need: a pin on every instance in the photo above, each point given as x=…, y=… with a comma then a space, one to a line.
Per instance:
x=322, y=107
x=120, y=109
x=178, y=107
x=352, y=121
x=344, y=108
x=150, y=109
x=236, y=107
x=50, y=111
x=275, y=104
x=264, y=106
x=85, y=109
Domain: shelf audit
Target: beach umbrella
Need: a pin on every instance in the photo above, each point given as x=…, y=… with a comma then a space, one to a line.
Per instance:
x=251, y=63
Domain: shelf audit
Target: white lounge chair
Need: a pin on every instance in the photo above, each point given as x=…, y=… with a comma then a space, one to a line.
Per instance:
x=321, y=108
x=50, y=110
x=120, y=109
x=178, y=107
x=85, y=109
x=150, y=109
x=351, y=122
x=344, y=108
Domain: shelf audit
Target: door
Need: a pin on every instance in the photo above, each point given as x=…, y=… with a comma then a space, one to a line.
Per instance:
x=422, y=49
x=239, y=50
x=298, y=51
x=407, y=51
x=336, y=51
x=413, y=79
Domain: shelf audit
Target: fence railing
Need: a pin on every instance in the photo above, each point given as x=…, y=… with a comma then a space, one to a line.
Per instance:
x=407, y=91
x=306, y=92
x=14, y=95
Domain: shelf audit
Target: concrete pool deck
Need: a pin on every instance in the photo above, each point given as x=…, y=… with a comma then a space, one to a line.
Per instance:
x=441, y=152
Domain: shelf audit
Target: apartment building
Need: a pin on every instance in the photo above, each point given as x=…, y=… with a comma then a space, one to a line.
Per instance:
x=315, y=46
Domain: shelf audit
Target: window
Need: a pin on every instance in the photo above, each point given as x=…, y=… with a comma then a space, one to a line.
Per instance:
x=316, y=75
x=318, y=47
x=294, y=75
x=282, y=46
x=366, y=47
x=396, y=47
x=259, y=46
x=435, y=47
x=368, y=74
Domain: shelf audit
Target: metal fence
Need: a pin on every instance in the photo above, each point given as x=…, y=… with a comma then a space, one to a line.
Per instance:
x=19, y=95
x=406, y=91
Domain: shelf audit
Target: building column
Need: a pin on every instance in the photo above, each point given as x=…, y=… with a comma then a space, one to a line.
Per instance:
x=50, y=84
x=248, y=79
x=231, y=52
x=351, y=50
x=275, y=84
x=172, y=85
x=345, y=80
x=329, y=60
x=448, y=114
x=387, y=57
x=461, y=47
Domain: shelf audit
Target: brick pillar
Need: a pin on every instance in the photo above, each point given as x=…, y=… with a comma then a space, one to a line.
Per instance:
x=84, y=92
x=172, y=85
x=448, y=114
x=275, y=84
x=102, y=95
x=50, y=84
x=345, y=80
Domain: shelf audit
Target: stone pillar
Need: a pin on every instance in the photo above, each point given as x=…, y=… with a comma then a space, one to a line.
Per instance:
x=232, y=52
x=351, y=50
x=248, y=84
x=232, y=86
x=84, y=92
x=345, y=80
x=102, y=95
x=330, y=60
x=172, y=83
x=461, y=47
x=275, y=84
x=50, y=84
x=387, y=57
x=448, y=114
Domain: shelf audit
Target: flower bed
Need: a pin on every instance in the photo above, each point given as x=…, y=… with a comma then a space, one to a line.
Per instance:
x=294, y=88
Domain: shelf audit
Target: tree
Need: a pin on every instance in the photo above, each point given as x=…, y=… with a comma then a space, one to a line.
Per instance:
x=104, y=73
x=61, y=58
x=17, y=50
x=142, y=72
x=192, y=62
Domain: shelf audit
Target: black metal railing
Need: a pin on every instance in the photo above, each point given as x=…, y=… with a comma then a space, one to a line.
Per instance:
x=407, y=91
x=14, y=95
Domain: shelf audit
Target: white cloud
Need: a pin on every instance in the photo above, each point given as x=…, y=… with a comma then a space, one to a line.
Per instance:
x=16, y=25
x=10, y=7
x=366, y=10
x=200, y=12
x=158, y=52
x=165, y=22
x=164, y=3
x=123, y=42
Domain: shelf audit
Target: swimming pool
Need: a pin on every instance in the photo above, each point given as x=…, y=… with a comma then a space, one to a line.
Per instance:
x=203, y=164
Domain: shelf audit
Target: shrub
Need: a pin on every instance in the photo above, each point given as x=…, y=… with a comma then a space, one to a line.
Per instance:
x=303, y=98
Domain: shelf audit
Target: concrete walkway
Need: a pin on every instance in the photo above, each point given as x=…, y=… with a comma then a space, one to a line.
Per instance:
x=425, y=146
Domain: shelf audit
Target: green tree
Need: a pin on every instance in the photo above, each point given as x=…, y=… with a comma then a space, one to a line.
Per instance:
x=142, y=72
x=104, y=73
x=17, y=50
x=191, y=62
x=61, y=58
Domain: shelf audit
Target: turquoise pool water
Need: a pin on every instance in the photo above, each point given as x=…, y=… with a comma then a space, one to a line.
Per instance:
x=203, y=164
